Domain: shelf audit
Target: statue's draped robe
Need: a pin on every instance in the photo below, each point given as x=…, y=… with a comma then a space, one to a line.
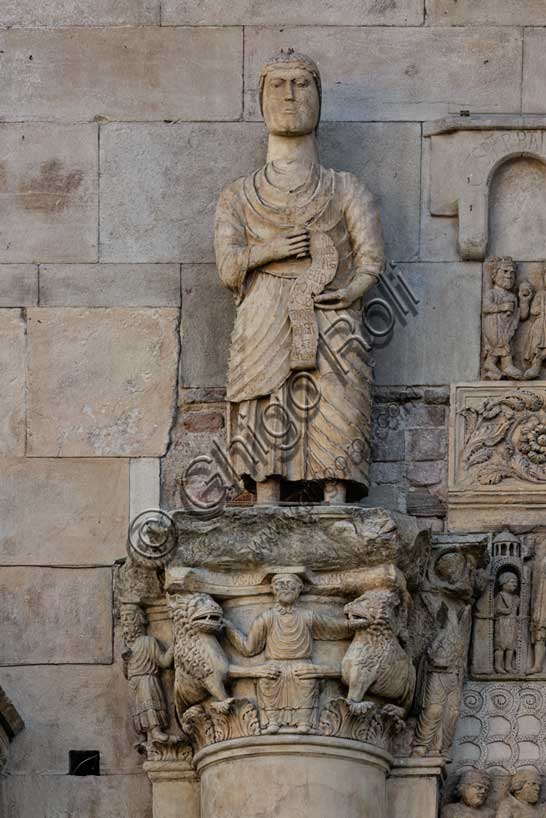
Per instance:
x=506, y=621
x=499, y=327
x=330, y=441
x=285, y=635
x=148, y=703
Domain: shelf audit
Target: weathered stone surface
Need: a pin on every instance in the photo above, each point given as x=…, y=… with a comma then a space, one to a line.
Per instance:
x=246, y=12
x=109, y=285
x=37, y=629
x=92, y=797
x=62, y=511
x=48, y=184
x=517, y=204
x=78, y=13
x=438, y=235
x=387, y=157
x=13, y=392
x=208, y=310
x=144, y=485
x=448, y=312
x=399, y=73
x=426, y=444
x=343, y=537
x=162, y=209
x=71, y=708
x=486, y=12
x=534, y=67
x=427, y=473
x=18, y=285
x=101, y=382
x=145, y=73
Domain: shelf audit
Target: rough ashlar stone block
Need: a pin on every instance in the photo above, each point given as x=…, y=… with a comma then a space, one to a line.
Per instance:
x=13, y=392
x=78, y=13
x=162, y=208
x=18, y=285
x=88, y=797
x=438, y=234
x=246, y=12
x=63, y=511
x=101, y=382
x=70, y=707
x=109, y=285
x=36, y=629
x=534, y=68
x=386, y=156
x=144, y=73
x=426, y=444
x=438, y=341
x=208, y=310
x=399, y=73
x=48, y=187
x=486, y=12
x=144, y=476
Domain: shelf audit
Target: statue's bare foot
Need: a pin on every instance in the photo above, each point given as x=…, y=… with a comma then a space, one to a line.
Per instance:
x=271, y=729
x=512, y=372
x=222, y=706
x=419, y=750
x=159, y=736
x=304, y=729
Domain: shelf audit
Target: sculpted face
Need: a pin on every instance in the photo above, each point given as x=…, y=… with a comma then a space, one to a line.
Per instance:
x=505, y=276
x=530, y=791
x=290, y=102
x=475, y=794
x=286, y=589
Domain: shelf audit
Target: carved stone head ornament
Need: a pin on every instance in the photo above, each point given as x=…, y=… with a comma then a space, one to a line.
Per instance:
x=290, y=94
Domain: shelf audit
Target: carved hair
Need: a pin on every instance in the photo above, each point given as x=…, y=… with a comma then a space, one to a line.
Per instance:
x=473, y=776
x=290, y=59
x=295, y=577
x=520, y=779
x=507, y=576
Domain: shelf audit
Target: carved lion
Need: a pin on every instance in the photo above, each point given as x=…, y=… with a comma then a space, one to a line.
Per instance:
x=376, y=667
x=201, y=667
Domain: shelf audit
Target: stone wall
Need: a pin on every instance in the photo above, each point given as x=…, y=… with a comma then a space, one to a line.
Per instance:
x=120, y=121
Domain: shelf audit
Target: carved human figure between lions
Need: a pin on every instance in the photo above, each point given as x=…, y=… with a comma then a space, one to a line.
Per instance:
x=288, y=692
x=299, y=245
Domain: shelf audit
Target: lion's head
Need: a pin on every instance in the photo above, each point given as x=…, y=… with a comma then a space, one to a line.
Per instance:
x=373, y=610
x=197, y=612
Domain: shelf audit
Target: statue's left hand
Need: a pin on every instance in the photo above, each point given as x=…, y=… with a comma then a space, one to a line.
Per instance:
x=336, y=299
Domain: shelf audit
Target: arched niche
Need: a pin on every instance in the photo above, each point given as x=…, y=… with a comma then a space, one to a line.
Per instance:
x=517, y=209
x=470, y=158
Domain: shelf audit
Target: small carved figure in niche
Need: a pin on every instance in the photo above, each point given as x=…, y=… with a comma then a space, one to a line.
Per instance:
x=501, y=316
x=535, y=347
x=506, y=623
x=473, y=790
x=288, y=692
x=143, y=661
x=538, y=616
x=524, y=796
x=376, y=664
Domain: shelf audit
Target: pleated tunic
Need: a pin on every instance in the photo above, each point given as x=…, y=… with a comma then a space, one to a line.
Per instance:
x=331, y=438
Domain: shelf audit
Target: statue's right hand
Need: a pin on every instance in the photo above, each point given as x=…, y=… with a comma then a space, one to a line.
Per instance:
x=270, y=672
x=290, y=245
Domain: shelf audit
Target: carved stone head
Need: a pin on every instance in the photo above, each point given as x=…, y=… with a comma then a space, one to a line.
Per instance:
x=133, y=622
x=290, y=94
x=525, y=786
x=286, y=588
x=508, y=581
x=474, y=788
x=196, y=612
x=376, y=610
x=504, y=273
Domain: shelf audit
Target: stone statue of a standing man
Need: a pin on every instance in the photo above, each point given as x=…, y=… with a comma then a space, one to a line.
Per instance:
x=299, y=245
